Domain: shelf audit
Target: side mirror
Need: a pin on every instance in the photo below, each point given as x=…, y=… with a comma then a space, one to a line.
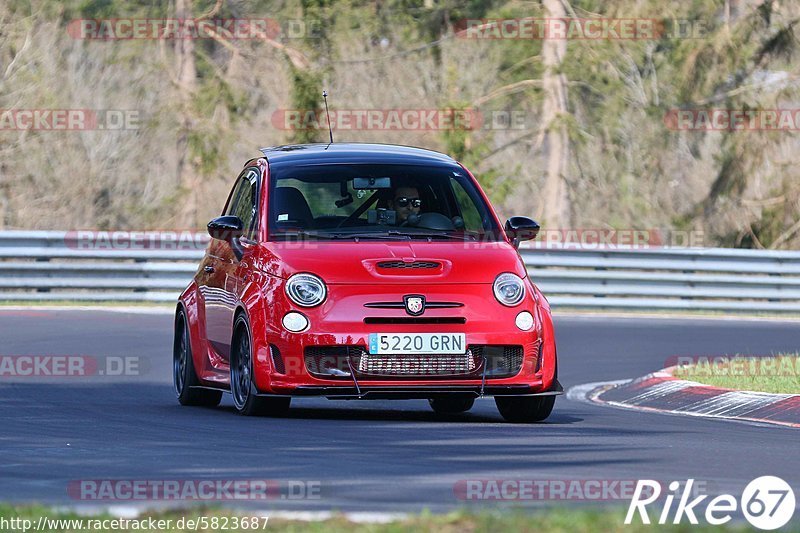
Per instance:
x=521, y=229
x=226, y=228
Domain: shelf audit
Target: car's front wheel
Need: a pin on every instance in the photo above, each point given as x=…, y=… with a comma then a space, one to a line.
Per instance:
x=525, y=409
x=243, y=390
x=184, y=376
x=448, y=405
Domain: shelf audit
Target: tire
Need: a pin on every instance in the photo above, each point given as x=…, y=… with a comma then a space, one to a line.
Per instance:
x=243, y=390
x=449, y=405
x=184, y=377
x=525, y=409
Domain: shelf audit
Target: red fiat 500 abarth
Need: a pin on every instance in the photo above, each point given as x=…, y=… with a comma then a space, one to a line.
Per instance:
x=363, y=271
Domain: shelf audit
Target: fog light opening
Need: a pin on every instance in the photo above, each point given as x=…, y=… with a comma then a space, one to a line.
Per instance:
x=524, y=321
x=295, y=322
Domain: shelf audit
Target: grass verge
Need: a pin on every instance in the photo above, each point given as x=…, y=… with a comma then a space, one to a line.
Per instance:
x=553, y=520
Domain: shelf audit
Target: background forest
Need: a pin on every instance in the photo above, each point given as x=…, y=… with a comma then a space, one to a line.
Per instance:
x=591, y=144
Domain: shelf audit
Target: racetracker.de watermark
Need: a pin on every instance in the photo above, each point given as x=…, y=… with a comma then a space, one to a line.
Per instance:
x=426, y=119
x=69, y=366
x=125, y=240
x=378, y=119
x=69, y=119
x=736, y=365
x=593, y=29
x=226, y=29
x=545, y=489
x=117, y=490
x=779, y=119
x=617, y=239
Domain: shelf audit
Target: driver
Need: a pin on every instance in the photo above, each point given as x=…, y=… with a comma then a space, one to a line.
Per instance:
x=405, y=201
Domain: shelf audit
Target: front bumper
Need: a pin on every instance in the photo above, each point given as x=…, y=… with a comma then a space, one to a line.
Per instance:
x=346, y=320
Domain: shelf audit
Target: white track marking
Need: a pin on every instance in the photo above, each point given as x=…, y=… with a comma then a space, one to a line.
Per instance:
x=728, y=405
x=585, y=393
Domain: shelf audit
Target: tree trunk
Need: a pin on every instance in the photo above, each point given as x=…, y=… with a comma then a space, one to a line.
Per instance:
x=187, y=169
x=555, y=142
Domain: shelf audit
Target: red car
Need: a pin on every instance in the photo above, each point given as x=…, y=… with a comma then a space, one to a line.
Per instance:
x=364, y=271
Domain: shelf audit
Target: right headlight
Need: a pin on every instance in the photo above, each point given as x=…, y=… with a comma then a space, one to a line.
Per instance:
x=509, y=289
x=306, y=290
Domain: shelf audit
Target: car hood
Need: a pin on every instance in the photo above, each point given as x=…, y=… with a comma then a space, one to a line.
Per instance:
x=393, y=262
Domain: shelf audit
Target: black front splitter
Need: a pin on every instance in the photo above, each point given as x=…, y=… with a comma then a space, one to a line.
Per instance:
x=418, y=392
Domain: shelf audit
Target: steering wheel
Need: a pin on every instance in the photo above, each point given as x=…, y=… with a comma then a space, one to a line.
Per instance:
x=434, y=221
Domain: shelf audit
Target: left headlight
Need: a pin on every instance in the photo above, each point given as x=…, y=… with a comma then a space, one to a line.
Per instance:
x=306, y=290
x=509, y=289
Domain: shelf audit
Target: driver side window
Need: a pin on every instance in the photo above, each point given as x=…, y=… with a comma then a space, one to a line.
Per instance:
x=244, y=201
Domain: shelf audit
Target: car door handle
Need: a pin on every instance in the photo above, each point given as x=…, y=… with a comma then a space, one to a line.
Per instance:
x=208, y=269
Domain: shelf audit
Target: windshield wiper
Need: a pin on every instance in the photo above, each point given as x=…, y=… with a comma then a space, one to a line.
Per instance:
x=391, y=234
x=304, y=234
x=433, y=235
x=334, y=235
x=395, y=236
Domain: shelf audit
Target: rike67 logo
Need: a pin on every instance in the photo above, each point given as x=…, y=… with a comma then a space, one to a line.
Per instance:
x=767, y=502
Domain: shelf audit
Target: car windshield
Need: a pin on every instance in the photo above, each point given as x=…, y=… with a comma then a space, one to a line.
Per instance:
x=370, y=201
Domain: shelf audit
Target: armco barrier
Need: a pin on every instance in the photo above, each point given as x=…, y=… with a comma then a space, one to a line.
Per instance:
x=47, y=266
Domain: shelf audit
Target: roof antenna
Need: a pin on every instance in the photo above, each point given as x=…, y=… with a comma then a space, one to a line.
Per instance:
x=330, y=129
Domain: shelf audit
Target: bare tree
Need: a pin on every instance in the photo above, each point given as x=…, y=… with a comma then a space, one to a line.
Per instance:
x=186, y=78
x=553, y=134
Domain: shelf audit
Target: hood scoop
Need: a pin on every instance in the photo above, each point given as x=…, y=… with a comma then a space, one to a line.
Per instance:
x=408, y=266
x=414, y=265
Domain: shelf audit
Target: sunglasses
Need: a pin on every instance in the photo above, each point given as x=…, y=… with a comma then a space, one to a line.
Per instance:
x=402, y=201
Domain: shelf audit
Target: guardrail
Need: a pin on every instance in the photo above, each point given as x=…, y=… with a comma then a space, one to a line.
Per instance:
x=706, y=279
x=53, y=266
x=59, y=266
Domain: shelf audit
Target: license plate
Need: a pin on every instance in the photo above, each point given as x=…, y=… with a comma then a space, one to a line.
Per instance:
x=423, y=343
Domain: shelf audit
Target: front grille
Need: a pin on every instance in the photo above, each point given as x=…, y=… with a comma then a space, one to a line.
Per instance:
x=418, y=365
x=501, y=361
x=414, y=320
x=331, y=361
x=402, y=305
x=412, y=264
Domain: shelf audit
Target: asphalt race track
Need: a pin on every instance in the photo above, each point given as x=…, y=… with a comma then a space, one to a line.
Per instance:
x=368, y=456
